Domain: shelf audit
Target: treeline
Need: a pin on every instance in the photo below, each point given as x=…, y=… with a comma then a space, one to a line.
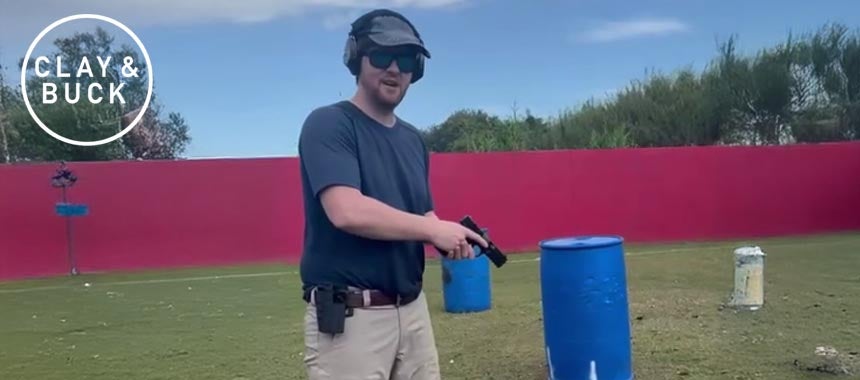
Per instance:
x=806, y=89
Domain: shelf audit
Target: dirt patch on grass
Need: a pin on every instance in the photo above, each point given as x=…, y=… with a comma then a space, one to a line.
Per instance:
x=828, y=360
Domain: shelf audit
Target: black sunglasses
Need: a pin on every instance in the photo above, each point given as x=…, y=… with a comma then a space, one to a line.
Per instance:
x=406, y=62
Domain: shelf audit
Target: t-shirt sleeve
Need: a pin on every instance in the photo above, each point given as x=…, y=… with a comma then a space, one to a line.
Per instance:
x=327, y=150
x=428, y=206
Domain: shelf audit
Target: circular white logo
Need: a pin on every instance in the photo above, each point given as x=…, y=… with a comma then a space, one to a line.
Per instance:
x=132, y=71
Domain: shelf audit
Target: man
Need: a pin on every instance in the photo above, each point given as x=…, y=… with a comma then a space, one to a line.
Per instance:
x=368, y=214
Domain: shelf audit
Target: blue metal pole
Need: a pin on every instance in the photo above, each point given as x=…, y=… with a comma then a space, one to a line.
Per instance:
x=69, y=243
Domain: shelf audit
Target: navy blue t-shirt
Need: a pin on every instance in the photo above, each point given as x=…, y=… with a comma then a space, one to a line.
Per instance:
x=341, y=145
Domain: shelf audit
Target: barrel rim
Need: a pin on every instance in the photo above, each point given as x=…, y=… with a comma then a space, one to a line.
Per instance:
x=547, y=244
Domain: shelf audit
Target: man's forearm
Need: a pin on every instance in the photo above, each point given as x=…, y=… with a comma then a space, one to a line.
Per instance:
x=373, y=219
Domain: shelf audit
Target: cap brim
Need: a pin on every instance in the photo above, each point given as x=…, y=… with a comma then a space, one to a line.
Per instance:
x=397, y=38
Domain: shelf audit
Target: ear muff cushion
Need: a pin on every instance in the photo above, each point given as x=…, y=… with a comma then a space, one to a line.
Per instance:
x=350, y=55
x=419, y=72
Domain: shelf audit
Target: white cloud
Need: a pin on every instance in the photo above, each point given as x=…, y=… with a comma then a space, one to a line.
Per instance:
x=160, y=12
x=341, y=20
x=620, y=30
x=21, y=21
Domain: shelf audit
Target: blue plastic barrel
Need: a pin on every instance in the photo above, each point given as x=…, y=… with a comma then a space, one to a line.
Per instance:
x=466, y=284
x=585, y=309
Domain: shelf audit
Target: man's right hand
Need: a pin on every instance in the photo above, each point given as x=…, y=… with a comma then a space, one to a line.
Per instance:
x=452, y=238
x=351, y=211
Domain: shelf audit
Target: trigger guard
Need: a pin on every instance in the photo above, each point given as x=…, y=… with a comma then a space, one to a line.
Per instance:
x=474, y=245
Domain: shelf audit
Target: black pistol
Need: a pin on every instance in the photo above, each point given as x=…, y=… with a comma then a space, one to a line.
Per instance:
x=493, y=253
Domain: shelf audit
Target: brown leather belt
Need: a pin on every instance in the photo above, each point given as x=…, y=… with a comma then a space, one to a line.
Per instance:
x=368, y=298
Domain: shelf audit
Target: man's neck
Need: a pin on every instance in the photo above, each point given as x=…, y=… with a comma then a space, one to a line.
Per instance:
x=384, y=117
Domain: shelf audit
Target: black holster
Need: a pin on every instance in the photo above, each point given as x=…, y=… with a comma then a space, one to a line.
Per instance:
x=331, y=307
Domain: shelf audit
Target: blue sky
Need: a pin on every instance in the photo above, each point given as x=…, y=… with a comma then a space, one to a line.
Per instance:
x=245, y=76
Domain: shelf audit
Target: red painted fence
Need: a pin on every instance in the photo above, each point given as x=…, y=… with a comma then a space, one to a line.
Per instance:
x=155, y=214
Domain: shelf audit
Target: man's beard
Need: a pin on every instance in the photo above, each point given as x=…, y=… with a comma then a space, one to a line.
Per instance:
x=384, y=102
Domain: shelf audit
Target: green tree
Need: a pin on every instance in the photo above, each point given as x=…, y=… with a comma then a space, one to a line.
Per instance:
x=464, y=130
x=591, y=125
x=761, y=93
x=805, y=89
x=834, y=57
x=4, y=133
x=155, y=138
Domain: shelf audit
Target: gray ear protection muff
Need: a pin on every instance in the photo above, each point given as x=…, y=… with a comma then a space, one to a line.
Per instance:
x=351, y=53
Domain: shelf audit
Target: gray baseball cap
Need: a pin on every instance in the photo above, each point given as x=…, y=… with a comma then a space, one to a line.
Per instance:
x=389, y=30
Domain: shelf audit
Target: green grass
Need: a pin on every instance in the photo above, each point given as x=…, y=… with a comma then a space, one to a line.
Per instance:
x=122, y=327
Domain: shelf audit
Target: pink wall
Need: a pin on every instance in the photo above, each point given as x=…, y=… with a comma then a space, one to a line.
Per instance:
x=203, y=212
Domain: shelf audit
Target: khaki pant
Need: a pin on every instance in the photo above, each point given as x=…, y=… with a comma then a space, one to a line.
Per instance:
x=378, y=343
